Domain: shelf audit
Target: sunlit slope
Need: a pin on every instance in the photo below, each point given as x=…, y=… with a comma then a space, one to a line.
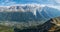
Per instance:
x=56, y=26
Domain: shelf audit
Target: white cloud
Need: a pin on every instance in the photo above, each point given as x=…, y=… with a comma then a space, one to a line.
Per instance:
x=58, y=1
x=7, y=2
x=54, y=6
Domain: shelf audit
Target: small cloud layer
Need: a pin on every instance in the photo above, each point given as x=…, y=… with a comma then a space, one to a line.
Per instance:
x=13, y=2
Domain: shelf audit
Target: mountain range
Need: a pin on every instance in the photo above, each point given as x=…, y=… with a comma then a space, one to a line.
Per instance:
x=27, y=14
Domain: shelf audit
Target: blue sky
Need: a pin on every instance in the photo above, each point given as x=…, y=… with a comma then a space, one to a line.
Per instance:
x=13, y=2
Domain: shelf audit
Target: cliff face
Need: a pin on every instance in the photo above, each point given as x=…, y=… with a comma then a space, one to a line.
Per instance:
x=56, y=26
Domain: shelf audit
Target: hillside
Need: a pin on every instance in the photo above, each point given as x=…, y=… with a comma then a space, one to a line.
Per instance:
x=6, y=29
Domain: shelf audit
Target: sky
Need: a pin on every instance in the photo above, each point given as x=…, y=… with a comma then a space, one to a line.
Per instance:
x=13, y=2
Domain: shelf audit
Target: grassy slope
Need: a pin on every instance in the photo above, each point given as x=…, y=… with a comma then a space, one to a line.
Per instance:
x=6, y=29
